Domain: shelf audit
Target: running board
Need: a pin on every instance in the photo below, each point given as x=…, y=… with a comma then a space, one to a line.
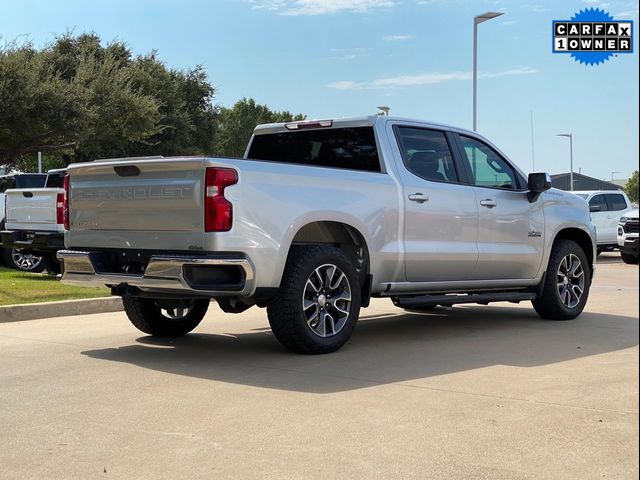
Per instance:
x=452, y=299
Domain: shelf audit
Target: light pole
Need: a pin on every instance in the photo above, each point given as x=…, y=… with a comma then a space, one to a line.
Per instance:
x=478, y=19
x=570, y=137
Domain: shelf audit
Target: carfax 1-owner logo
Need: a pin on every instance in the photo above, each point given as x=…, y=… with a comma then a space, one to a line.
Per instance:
x=592, y=36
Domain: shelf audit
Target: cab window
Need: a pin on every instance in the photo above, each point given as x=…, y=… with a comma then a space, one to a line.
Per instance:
x=598, y=201
x=616, y=202
x=426, y=154
x=488, y=169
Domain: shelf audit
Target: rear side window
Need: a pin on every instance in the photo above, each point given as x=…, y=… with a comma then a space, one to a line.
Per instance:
x=55, y=180
x=351, y=148
x=616, y=202
x=426, y=153
x=599, y=201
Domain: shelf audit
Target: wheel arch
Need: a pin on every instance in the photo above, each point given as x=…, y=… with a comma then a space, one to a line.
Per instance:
x=582, y=238
x=345, y=237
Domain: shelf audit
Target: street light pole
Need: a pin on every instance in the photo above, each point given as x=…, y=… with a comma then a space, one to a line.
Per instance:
x=478, y=19
x=570, y=137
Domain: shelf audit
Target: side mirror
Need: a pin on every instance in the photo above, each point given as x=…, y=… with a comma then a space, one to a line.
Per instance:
x=537, y=183
x=595, y=208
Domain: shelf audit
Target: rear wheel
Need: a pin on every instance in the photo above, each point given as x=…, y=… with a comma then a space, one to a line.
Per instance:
x=165, y=318
x=629, y=258
x=24, y=261
x=567, y=281
x=318, y=303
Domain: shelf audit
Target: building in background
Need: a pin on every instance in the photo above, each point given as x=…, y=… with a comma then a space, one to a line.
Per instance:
x=581, y=182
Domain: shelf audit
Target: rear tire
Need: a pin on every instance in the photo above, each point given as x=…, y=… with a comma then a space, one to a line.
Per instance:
x=567, y=282
x=163, y=318
x=25, y=262
x=318, y=302
x=629, y=258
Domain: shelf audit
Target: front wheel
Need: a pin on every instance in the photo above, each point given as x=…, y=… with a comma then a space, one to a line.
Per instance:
x=629, y=258
x=318, y=302
x=567, y=282
x=165, y=318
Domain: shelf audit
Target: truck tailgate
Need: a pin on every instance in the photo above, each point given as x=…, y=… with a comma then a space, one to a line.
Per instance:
x=32, y=209
x=137, y=203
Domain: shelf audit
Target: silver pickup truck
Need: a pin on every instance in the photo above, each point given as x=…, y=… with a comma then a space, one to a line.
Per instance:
x=317, y=218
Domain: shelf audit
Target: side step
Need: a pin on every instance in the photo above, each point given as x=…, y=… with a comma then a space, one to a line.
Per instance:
x=452, y=299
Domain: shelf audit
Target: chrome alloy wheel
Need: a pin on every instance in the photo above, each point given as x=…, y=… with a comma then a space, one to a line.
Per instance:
x=570, y=281
x=326, y=300
x=25, y=261
x=176, y=313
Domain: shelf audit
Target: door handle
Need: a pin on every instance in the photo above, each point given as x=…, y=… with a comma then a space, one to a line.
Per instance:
x=418, y=197
x=487, y=202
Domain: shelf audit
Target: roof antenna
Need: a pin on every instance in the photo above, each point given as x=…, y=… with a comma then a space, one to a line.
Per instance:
x=384, y=110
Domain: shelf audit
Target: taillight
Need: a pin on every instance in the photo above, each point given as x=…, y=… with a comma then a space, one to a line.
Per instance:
x=218, y=211
x=64, y=211
x=60, y=208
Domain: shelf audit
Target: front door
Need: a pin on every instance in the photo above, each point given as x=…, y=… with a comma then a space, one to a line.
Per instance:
x=510, y=228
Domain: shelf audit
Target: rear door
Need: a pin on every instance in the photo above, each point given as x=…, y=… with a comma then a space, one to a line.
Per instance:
x=441, y=213
x=510, y=228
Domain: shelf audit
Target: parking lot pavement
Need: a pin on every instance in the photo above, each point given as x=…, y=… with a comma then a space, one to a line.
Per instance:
x=470, y=392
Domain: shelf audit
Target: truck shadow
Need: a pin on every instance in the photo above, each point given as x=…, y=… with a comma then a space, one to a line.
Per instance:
x=388, y=348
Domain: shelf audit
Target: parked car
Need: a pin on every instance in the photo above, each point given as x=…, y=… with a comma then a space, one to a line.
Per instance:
x=17, y=258
x=34, y=228
x=606, y=207
x=317, y=218
x=628, y=237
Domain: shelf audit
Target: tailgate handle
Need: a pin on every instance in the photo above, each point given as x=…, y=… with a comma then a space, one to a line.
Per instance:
x=127, y=170
x=27, y=194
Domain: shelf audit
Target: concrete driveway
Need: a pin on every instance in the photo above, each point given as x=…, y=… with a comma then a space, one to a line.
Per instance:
x=470, y=392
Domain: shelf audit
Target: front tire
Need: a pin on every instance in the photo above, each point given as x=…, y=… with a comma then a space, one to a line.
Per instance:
x=164, y=318
x=318, y=302
x=629, y=258
x=567, y=282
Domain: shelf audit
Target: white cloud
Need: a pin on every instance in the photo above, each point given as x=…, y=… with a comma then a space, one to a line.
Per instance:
x=535, y=8
x=348, y=53
x=425, y=79
x=320, y=7
x=345, y=85
x=398, y=38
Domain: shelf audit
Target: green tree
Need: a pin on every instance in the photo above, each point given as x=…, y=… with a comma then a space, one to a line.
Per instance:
x=78, y=100
x=631, y=188
x=66, y=97
x=236, y=124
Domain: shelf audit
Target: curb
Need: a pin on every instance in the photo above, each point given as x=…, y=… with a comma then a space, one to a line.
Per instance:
x=65, y=308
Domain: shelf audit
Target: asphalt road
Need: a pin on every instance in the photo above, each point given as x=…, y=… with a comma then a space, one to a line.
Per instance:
x=470, y=392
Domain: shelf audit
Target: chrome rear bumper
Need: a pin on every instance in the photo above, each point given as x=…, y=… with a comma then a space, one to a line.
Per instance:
x=168, y=273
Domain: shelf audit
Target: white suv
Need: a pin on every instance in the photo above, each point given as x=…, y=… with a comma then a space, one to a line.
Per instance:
x=606, y=207
x=628, y=237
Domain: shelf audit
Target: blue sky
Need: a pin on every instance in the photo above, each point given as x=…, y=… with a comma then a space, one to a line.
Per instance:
x=331, y=58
